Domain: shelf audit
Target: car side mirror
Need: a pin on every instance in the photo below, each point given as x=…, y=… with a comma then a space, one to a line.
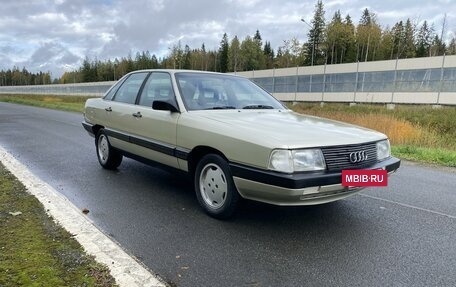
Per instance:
x=164, y=106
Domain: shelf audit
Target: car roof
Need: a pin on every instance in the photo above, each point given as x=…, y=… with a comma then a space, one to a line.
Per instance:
x=173, y=71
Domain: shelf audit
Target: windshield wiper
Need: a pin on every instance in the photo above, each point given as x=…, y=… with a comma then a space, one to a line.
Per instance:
x=221, y=108
x=258, y=107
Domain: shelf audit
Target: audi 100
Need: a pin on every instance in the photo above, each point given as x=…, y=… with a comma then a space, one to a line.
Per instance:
x=235, y=140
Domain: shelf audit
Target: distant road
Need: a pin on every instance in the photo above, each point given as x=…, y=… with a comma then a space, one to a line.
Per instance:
x=403, y=235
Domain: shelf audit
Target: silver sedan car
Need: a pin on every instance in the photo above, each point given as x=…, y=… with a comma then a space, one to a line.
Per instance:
x=233, y=138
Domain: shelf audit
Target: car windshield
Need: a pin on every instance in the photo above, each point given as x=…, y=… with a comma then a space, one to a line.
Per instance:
x=205, y=91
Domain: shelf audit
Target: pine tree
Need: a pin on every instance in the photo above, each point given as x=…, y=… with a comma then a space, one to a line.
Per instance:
x=316, y=37
x=348, y=53
x=366, y=18
x=223, y=52
x=398, y=40
x=438, y=47
x=88, y=71
x=424, y=40
x=269, y=54
x=187, y=58
x=203, y=58
x=409, y=40
x=257, y=37
x=258, y=54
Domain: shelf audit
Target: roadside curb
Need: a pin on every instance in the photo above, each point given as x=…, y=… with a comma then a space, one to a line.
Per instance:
x=124, y=268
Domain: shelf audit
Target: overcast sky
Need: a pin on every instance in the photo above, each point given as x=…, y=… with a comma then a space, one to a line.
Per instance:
x=55, y=35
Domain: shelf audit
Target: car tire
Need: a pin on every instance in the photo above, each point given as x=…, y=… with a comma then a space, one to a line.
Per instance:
x=214, y=186
x=108, y=157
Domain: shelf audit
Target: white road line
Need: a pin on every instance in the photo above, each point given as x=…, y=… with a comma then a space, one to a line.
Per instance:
x=124, y=268
x=409, y=206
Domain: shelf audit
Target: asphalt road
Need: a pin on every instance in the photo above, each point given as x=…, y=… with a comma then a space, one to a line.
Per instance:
x=402, y=235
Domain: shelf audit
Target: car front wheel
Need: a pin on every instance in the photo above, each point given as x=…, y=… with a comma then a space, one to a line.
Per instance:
x=108, y=157
x=214, y=187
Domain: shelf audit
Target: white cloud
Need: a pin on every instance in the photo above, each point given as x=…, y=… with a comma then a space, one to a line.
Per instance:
x=244, y=3
x=52, y=17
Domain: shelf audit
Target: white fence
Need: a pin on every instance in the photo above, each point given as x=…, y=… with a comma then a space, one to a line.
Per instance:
x=79, y=89
x=429, y=80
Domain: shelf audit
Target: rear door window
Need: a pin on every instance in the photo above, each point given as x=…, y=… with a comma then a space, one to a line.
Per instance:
x=129, y=90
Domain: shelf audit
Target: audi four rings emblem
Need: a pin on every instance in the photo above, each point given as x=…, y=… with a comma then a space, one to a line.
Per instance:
x=358, y=156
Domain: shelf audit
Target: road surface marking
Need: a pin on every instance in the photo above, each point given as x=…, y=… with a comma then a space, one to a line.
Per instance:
x=410, y=206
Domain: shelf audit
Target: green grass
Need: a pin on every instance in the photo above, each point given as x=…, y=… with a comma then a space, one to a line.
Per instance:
x=64, y=103
x=418, y=133
x=34, y=250
x=428, y=155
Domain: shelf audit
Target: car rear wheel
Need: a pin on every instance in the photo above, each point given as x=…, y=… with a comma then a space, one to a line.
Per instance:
x=215, y=187
x=108, y=157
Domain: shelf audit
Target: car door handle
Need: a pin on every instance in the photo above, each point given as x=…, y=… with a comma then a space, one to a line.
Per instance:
x=137, y=115
x=108, y=109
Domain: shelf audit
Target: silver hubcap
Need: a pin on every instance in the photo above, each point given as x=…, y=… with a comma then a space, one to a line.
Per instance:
x=103, y=149
x=213, y=185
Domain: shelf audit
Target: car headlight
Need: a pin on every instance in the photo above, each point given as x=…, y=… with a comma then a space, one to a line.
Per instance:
x=290, y=161
x=383, y=149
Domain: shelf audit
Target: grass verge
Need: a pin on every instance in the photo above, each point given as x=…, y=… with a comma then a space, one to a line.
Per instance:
x=34, y=250
x=64, y=103
x=428, y=155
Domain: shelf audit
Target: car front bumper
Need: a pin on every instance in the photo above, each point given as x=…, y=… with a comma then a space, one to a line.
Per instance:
x=299, y=188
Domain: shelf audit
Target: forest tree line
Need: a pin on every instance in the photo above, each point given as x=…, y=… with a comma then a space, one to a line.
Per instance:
x=16, y=77
x=335, y=41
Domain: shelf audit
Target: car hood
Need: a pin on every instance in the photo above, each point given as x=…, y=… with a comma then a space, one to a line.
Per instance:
x=287, y=129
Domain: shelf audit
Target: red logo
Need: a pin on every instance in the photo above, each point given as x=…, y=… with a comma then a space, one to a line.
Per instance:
x=365, y=177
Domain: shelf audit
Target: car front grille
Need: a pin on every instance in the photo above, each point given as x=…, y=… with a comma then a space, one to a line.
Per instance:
x=338, y=157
